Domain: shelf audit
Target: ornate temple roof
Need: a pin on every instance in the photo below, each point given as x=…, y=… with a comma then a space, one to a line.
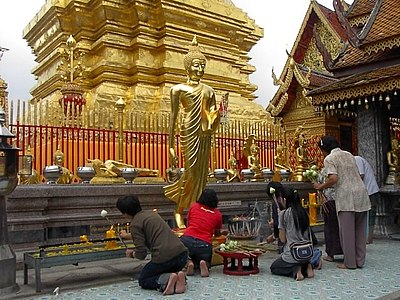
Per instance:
x=369, y=63
x=362, y=84
x=303, y=67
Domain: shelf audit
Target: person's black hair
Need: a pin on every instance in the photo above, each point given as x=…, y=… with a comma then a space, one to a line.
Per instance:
x=275, y=185
x=129, y=205
x=209, y=198
x=328, y=143
x=300, y=216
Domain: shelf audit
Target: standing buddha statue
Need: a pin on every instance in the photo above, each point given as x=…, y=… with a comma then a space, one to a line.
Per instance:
x=200, y=121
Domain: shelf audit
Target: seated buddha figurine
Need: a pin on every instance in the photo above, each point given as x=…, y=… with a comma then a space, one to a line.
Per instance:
x=233, y=171
x=280, y=160
x=66, y=176
x=254, y=162
x=393, y=161
x=302, y=160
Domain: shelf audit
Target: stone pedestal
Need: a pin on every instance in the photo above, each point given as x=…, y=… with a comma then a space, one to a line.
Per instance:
x=387, y=212
x=8, y=283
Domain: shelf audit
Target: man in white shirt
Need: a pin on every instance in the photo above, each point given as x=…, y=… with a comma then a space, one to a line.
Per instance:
x=368, y=177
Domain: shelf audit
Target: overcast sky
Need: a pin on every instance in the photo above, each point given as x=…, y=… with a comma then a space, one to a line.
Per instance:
x=281, y=21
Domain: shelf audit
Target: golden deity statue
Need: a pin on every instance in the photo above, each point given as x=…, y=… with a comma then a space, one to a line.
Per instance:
x=200, y=120
x=251, y=152
x=393, y=161
x=233, y=171
x=280, y=159
x=66, y=176
x=110, y=172
x=302, y=160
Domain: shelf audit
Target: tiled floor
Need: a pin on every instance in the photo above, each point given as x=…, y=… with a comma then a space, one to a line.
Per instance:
x=379, y=277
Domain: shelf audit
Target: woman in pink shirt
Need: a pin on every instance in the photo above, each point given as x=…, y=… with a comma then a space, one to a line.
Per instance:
x=203, y=221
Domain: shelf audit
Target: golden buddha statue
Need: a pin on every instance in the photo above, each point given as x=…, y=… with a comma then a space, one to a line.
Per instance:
x=200, y=120
x=280, y=159
x=110, y=172
x=233, y=171
x=254, y=161
x=251, y=152
x=393, y=161
x=66, y=176
x=302, y=160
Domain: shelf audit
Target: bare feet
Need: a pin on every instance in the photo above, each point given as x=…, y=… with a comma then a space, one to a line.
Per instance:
x=319, y=266
x=204, y=269
x=341, y=266
x=299, y=275
x=190, y=268
x=310, y=271
x=180, y=286
x=328, y=258
x=170, y=288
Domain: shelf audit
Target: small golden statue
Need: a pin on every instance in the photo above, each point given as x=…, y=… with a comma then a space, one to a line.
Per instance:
x=110, y=172
x=302, y=161
x=66, y=176
x=393, y=161
x=173, y=172
x=280, y=159
x=200, y=120
x=233, y=171
x=251, y=151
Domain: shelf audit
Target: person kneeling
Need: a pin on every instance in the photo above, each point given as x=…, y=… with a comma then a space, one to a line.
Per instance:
x=294, y=226
x=168, y=255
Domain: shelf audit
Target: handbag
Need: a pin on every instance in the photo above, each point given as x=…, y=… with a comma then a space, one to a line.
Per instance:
x=302, y=251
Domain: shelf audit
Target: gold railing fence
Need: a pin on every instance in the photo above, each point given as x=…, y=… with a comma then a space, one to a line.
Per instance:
x=93, y=133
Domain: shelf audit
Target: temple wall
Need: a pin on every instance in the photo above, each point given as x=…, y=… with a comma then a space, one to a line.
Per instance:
x=373, y=145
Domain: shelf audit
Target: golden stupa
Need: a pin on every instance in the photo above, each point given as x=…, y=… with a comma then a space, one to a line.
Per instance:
x=135, y=49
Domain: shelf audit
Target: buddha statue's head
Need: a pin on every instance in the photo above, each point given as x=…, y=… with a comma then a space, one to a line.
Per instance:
x=194, y=61
x=58, y=157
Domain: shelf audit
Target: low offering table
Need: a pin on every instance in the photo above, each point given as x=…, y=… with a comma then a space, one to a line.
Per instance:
x=233, y=262
x=70, y=253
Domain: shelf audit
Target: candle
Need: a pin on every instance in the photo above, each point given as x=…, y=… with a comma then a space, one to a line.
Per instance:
x=110, y=234
x=312, y=207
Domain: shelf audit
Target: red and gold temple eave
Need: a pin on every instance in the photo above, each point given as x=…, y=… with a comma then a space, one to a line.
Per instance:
x=383, y=80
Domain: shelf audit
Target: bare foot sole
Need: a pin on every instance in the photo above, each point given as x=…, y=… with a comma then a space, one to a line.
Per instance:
x=190, y=269
x=204, y=269
x=170, y=288
x=299, y=276
x=180, y=286
x=310, y=271
x=319, y=267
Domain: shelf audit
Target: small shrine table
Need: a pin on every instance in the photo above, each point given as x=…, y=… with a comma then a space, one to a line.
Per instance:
x=233, y=262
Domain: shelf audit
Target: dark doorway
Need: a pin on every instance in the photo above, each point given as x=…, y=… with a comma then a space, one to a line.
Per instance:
x=346, y=138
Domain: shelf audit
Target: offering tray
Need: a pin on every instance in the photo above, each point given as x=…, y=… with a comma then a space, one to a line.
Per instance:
x=70, y=253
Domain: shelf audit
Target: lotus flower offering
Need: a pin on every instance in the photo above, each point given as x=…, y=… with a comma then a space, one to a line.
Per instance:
x=311, y=174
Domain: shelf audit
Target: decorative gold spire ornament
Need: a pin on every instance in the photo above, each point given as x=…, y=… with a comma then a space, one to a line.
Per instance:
x=200, y=120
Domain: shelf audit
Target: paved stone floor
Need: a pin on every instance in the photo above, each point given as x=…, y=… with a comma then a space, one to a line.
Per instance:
x=116, y=280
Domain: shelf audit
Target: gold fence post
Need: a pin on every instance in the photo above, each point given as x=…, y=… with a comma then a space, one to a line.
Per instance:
x=120, y=105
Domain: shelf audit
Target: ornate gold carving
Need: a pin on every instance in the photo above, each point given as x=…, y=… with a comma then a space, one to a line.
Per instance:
x=359, y=21
x=357, y=91
x=383, y=45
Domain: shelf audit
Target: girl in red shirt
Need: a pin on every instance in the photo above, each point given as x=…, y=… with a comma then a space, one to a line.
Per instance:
x=203, y=221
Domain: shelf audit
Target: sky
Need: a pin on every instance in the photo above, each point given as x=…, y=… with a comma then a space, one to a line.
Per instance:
x=281, y=21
